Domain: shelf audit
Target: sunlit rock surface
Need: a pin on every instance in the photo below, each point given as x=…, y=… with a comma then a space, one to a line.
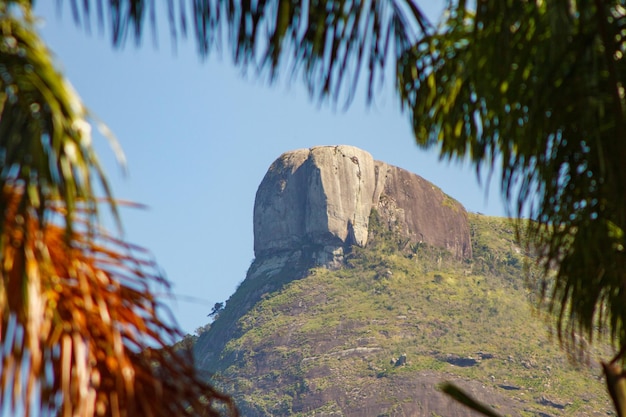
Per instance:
x=320, y=200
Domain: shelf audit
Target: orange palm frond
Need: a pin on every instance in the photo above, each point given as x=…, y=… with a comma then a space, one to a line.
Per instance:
x=81, y=329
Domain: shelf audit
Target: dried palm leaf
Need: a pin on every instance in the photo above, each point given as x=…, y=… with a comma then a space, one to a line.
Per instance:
x=81, y=329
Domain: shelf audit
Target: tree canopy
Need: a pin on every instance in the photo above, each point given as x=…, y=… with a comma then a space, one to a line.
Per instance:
x=328, y=44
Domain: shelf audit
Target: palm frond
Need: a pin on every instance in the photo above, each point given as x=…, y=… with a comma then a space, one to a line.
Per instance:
x=81, y=329
x=45, y=134
x=538, y=88
x=327, y=42
x=467, y=400
x=81, y=333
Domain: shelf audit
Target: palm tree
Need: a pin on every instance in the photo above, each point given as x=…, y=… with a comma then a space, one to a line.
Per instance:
x=80, y=328
x=535, y=86
x=538, y=87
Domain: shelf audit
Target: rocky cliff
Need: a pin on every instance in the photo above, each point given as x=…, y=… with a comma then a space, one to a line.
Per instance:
x=320, y=199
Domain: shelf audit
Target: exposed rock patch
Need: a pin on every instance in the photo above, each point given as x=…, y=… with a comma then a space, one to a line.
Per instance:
x=459, y=360
x=420, y=211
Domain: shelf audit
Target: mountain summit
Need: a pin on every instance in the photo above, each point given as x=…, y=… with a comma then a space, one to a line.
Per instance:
x=321, y=198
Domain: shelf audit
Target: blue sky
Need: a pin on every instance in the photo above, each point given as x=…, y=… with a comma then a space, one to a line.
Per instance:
x=199, y=136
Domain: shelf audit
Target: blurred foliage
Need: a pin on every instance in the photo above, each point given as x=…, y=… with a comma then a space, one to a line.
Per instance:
x=81, y=332
x=329, y=43
x=462, y=397
x=536, y=87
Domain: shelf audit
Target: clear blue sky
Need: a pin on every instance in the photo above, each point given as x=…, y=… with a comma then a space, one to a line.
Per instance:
x=199, y=137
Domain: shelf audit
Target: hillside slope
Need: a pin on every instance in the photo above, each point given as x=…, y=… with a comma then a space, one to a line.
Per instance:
x=375, y=337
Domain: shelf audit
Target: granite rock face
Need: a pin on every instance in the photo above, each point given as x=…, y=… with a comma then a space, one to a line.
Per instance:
x=420, y=211
x=321, y=199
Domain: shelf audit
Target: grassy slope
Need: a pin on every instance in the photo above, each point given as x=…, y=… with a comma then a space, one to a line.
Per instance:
x=321, y=341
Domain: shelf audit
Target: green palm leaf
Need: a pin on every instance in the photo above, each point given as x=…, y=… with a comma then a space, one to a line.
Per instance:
x=326, y=42
x=45, y=135
x=537, y=87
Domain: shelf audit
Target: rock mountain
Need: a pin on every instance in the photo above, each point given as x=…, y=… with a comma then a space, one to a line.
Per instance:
x=369, y=287
x=314, y=205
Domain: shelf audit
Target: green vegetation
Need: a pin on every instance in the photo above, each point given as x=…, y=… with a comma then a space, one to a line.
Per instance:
x=334, y=333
